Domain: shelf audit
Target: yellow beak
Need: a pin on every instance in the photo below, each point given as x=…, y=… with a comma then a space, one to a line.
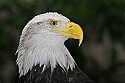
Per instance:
x=72, y=30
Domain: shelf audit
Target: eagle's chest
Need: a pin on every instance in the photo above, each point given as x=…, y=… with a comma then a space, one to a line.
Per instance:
x=36, y=75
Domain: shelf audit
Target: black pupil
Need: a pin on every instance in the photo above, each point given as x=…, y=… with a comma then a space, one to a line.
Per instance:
x=54, y=22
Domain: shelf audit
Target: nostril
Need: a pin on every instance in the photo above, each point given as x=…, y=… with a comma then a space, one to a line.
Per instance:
x=70, y=26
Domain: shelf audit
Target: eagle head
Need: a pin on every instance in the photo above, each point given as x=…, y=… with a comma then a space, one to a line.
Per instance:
x=42, y=42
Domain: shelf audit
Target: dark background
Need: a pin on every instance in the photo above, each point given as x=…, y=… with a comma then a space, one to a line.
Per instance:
x=102, y=54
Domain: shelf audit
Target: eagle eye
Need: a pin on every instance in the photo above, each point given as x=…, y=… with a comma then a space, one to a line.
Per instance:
x=53, y=22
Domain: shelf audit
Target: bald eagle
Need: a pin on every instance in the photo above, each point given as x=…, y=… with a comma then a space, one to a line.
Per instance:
x=42, y=55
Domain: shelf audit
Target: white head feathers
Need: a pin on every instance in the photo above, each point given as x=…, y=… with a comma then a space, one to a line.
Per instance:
x=38, y=46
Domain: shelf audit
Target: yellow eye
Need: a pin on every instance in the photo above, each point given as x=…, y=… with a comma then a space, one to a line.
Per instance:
x=53, y=22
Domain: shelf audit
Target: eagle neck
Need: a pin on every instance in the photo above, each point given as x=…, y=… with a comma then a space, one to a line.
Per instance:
x=45, y=53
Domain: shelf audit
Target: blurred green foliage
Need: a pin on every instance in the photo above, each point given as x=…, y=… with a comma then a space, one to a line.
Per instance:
x=98, y=17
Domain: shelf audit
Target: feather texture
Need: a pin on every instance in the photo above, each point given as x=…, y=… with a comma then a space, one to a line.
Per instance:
x=57, y=76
